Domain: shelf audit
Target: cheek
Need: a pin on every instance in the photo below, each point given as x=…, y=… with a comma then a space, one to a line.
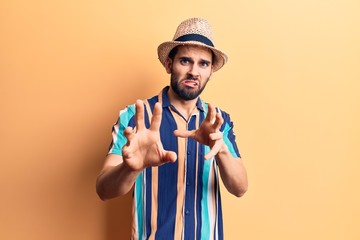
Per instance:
x=179, y=70
x=206, y=74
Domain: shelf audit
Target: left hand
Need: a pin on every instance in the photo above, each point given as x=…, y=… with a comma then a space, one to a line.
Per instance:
x=208, y=133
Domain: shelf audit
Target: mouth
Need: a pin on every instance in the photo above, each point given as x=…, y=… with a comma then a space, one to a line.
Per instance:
x=190, y=83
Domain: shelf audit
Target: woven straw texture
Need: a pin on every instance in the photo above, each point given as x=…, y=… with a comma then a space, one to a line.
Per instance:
x=198, y=26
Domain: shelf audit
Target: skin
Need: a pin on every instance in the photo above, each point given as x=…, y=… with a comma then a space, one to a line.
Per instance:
x=190, y=70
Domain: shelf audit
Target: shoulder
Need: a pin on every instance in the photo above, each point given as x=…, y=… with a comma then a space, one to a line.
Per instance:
x=205, y=106
x=129, y=110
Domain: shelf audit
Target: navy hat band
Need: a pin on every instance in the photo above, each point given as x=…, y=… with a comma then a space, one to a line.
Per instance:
x=195, y=37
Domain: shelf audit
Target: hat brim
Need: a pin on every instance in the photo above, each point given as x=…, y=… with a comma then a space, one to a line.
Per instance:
x=165, y=48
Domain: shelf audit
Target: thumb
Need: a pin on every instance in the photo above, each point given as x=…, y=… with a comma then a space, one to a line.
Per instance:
x=169, y=156
x=184, y=133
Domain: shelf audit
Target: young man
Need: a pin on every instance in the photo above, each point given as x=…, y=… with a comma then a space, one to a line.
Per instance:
x=170, y=148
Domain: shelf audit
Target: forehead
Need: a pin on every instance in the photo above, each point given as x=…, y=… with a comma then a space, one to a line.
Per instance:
x=194, y=52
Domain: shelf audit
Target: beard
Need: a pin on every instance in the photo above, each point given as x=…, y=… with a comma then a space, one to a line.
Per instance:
x=185, y=93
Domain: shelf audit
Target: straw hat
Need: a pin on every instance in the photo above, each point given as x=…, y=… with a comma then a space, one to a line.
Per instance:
x=193, y=31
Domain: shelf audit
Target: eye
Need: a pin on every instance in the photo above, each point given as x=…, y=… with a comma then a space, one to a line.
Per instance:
x=184, y=61
x=204, y=64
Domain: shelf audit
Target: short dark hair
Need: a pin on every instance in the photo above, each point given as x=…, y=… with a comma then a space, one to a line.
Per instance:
x=174, y=51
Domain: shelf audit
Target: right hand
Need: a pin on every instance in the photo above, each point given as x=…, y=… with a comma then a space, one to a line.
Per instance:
x=144, y=148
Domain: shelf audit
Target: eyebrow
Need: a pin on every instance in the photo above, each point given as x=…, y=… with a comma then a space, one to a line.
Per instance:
x=186, y=58
x=205, y=61
x=191, y=60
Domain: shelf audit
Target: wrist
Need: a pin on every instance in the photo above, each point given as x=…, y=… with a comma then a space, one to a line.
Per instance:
x=223, y=150
x=131, y=168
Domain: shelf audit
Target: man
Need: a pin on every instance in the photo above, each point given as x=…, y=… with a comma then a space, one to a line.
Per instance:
x=170, y=148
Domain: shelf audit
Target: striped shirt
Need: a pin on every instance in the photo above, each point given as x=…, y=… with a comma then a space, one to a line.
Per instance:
x=179, y=200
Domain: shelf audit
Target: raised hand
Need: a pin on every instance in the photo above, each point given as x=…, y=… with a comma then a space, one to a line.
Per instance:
x=208, y=133
x=144, y=148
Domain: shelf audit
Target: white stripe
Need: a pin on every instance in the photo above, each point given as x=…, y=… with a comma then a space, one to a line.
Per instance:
x=210, y=198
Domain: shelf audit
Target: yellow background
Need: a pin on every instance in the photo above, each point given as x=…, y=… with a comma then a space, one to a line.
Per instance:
x=291, y=86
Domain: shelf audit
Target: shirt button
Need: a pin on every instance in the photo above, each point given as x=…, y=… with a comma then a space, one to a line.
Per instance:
x=187, y=183
x=187, y=212
x=188, y=153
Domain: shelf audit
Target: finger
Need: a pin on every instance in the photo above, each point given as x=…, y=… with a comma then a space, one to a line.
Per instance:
x=169, y=156
x=184, y=133
x=218, y=121
x=215, y=136
x=156, y=118
x=214, y=150
x=139, y=115
x=211, y=113
x=129, y=133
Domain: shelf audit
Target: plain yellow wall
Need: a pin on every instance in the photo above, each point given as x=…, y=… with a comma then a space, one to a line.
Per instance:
x=291, y=86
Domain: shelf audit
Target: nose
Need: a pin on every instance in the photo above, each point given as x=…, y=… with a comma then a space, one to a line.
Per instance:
x=194, y=70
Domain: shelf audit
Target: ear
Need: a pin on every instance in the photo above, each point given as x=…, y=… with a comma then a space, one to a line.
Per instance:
x=168, y=64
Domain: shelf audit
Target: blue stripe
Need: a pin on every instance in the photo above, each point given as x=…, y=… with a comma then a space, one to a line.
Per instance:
x=190, y=181
x=148, y=189
x=200, y=183
x=148, y=200
x=167, y=180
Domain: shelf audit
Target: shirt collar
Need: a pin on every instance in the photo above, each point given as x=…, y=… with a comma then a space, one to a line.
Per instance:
x=163, y=97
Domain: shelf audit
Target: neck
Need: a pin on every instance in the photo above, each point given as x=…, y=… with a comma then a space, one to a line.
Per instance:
x=185, y=107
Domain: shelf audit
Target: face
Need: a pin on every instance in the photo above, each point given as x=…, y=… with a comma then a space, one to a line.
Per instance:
x=190, y=71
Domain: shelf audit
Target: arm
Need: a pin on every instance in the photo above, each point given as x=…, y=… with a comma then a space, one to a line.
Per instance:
x=232, y=169
x=116, y=178
x=143, y=149
x=232, y=172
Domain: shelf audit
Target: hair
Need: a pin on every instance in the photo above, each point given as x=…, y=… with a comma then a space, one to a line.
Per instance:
x=174, y=51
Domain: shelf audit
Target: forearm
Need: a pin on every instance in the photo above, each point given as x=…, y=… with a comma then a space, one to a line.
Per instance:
x=232, y=171
x=114, y=181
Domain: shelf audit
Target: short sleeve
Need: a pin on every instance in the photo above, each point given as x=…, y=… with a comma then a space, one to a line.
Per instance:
x=229, y=135
x=125, y=119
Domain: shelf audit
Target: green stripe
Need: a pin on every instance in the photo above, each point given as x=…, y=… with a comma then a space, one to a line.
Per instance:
x=205, y=218
x=227, y=141
x=139, y=204
x=205, y=221
x=124, y=121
